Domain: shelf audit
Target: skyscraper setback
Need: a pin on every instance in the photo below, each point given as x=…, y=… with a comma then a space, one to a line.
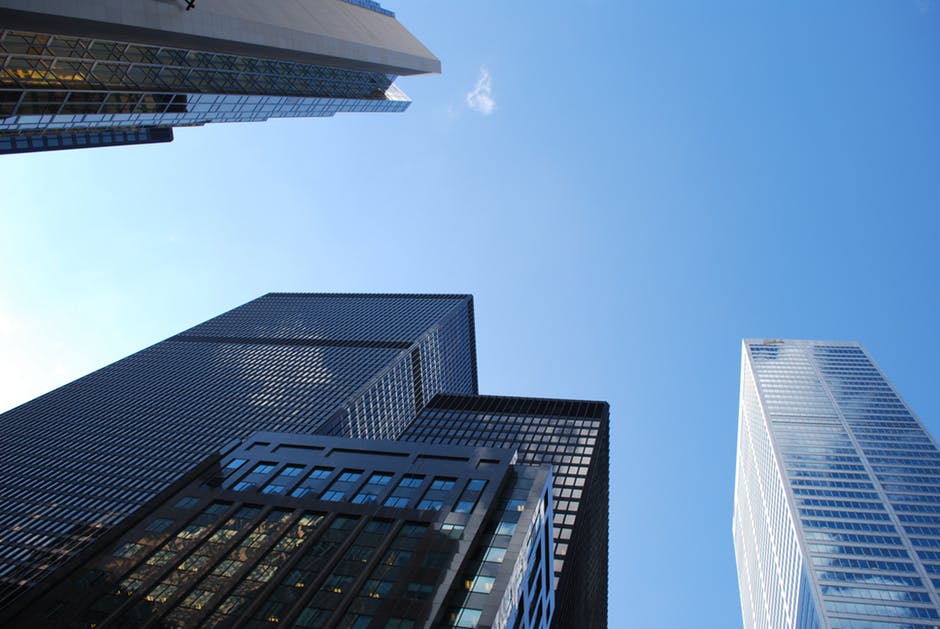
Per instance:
x=106, y=72
x=85, y=462
x=837, y=493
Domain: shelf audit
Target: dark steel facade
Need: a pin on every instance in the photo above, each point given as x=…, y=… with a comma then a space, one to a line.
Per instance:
x=321, y=531
x=572, y=436
x=80, y=459
x=91, y=460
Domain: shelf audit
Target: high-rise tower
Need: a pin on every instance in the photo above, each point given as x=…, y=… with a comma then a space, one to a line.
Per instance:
x=81, y=458
x=837, y=493
x=333, y=406
x=106, y=72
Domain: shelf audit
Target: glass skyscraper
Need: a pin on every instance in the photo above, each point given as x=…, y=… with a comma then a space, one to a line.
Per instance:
x=108, y=72
x=837, y=493
x=277, y=384
x=573, y=437
x=80, y=459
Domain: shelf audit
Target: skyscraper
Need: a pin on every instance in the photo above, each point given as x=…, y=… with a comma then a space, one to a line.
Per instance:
x=85, y=464
x=570, y=435
x=837, y=493
x=81, y=458
x=105, y=72
x=304, y=531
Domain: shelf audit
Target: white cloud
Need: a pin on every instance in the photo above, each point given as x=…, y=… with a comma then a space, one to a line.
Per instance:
x=481, y=98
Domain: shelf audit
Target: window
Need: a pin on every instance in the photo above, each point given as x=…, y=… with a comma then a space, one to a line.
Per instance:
x=356, y=621
x=453, y=530
x=160, y=558
x=463, y=617
x=337, y=583
x=127, y=550
x=476, y=484
x=159, y=525
x=397, y=557
x=494, y=554
x=186, y=502
x=480, y=584
x=332, y=496
x=312, y=617
x=380, y=478
x=396, y=501
x=193, y=563
x=443, y=484
x=320, y=473
x=264, y=468
x=227, y=567
x=292, y=470
x=464, y=506
x=349, y=476
x=505, y=528
x=419, y=591
x=399, y=623
x=411, y=480
x=234, y=464
x=413, y=529
x=376, y=588
x=273, y=489
x=243, y=486
x=430, y=505
x=363, y=498
x=160, y=593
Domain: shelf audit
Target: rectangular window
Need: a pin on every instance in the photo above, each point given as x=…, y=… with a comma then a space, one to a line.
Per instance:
x=264, y=468
x=411, y=480
x=349, y=476
x=443, y=484
x=380, y=478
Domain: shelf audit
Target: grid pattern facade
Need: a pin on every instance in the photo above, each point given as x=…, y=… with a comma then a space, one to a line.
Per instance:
x=50, y=82
x=854, y=482
x=278, y=532
x=573, y=438
x=82, y=458
x=32, y=142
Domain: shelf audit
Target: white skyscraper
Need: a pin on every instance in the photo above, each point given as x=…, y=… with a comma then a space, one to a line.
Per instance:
x=837, y=493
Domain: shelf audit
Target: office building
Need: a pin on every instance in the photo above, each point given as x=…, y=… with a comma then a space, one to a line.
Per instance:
x=321, y=531
x=79, y=459
x=110, y=72
x=837, y=493
x=84, y=465
x=571, y=436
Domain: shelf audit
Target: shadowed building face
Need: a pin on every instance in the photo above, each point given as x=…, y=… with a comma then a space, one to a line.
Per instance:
x=111, y=72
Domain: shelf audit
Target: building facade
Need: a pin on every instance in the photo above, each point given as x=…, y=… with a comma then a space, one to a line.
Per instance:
x=80, y=459
x=266, y=396
x=571, y=436
x=837, y=493
x=110, y=72
x=321, y=532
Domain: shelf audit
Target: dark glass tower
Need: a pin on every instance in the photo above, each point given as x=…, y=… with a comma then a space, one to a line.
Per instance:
x=76, y=461
x=106, y=72
x=573, y=437
x=391, y=376
x=310, y=531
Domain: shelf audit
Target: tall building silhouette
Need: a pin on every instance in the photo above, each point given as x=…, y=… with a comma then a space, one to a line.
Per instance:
x=79, y=459
x=108, y=72
x=243, y=412
x=837, y=493
x=573, y=438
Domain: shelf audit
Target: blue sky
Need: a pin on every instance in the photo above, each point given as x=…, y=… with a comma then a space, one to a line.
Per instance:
x=654, y=182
